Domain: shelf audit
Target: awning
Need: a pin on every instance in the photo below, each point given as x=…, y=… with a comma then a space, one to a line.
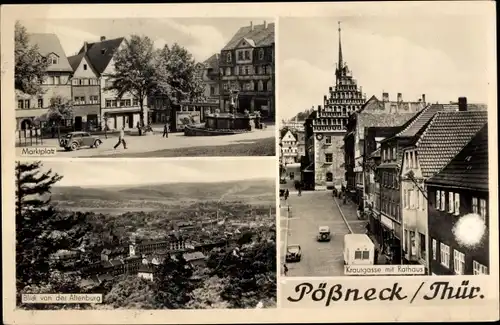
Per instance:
x=115, y=110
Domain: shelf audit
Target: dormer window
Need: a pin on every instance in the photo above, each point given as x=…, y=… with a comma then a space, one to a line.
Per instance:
x=261, y=54
x=103, y=51
x=52, y=59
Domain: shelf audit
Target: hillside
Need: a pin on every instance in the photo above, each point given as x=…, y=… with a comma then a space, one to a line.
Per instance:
x=156, y=195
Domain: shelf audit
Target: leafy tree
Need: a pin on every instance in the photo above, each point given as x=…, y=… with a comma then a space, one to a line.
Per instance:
x=177, y=75
x=60, y=109
x=30, y=66
x=134, y=70
x=32, y=209
x=173, y=283
x=209, y=295
x=131, y=292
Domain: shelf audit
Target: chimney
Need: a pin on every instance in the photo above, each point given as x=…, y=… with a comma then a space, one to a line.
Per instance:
x=385, y=97
x=103, y=38
x=400, y=97
x=462, y=104
x=251, y=25
x=265, y=24
x=85, y=46
x=423, y=98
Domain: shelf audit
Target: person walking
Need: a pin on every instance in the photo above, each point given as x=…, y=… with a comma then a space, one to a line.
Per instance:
x=300, y=189
x=285, y=269
x=139, y=129
x=287, y=193
x=121, y=139
x=165, y=130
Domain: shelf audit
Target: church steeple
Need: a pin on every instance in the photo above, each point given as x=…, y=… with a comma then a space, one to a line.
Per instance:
x=341, y=63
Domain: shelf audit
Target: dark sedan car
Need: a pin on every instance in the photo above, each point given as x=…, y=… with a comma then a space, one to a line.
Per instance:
x=76, y=140
x=293, y=253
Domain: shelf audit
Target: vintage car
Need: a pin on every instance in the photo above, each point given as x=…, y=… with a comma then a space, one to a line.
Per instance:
x=324, y=233
x=76, y=140
x=293, y=253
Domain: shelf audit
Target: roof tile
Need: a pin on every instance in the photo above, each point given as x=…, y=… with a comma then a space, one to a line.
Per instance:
x=261, y=35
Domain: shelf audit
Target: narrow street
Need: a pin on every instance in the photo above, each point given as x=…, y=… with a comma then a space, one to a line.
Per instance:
x=307, y=213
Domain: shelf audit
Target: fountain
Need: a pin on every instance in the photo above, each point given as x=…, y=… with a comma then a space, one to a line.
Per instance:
x=225, y=123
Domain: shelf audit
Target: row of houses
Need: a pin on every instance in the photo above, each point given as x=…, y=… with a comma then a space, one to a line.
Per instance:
x=82, y=79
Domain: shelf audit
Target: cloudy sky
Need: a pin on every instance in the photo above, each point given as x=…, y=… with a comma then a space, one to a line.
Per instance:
x=201, y=36
x=138, y=171
x=441, y=56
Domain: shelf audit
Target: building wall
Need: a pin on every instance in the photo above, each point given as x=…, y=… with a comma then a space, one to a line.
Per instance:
x=322, y=168
x=441, y=225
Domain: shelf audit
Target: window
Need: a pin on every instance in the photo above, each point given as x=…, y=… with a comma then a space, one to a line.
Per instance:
x=27, y=103
x=458, y=262
x=240, y=55
x=212, y=90
x=479, y=268
x=474, y=205
x=225, y=86
x=228, y=58
x=457, y=204
x=77, y=100
x=53, y=59
x=357, y=255
x=84, y=67
x=394, y=153
x=228, y=71
x=365, y=255
x=445, y=255
x=40, y=102
x=260, y=85
x=328, y=139
x=412, y=203
x=482, y=208
x=405, y=199
x=451, y=202
x=247, y=55
x=438, y=199
x=443, y=200
x=20, y=104
x=328, y=157
x=417, y=199
x=135, y=102
x=108, y=103
x=434, y=249
x=75, y=82
x=261, y=54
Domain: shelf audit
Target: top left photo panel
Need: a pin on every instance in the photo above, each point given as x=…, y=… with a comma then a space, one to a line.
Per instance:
x=145, y=87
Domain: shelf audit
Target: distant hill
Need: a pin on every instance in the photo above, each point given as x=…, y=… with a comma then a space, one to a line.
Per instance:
x=262, y=189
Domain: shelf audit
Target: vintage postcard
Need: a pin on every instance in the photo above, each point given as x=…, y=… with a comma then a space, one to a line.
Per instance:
x=279, y=162
x=145, y=87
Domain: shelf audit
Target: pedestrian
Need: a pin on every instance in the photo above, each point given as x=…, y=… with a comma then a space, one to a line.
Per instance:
x=287, y=193
x=285, y=269
x=300, y=189
x=165, y=130
x=121, y=139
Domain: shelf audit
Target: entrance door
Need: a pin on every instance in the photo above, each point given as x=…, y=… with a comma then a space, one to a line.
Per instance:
x=25, y=124
x=78, y=123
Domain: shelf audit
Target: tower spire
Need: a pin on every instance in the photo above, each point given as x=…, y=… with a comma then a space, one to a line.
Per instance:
x=341, y=63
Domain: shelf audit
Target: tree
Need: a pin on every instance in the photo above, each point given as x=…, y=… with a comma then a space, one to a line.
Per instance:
x=60, y=109
x=177, y=75
x=33, y=208
x=134, y=71
x=30, y=67
x=209, y=295
x=131, y=293
x=173, y=283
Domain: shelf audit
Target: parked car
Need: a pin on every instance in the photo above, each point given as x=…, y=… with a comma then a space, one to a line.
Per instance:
x=293, y=253
x=324, y=233
x=76, y=140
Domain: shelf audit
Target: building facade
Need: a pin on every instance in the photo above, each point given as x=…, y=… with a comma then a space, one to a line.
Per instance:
x=433, y=147
x=246, y=68
x=57, y=84
x=461, y=188
x=115, y=112
x=288, y=145
x=85, y=93
x=327, y=128
x=374, y=113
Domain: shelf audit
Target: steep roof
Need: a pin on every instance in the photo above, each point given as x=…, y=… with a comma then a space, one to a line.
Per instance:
x=446, y=134
x=261, y=35
x=381, y=120
x=213, y=62
x=75, y=61
x=49, y=43
x=469, y=168
x=101, y=53
x=422, y=118
x=284, y=131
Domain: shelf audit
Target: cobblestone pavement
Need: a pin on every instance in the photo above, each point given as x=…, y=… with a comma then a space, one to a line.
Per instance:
x=155, y=142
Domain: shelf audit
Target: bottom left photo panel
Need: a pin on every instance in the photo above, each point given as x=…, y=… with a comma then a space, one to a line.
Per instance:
x=145, y=234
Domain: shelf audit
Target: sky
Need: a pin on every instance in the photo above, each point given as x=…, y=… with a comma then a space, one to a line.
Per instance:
x=201, y=36
x=141, y=172
x=444, y=57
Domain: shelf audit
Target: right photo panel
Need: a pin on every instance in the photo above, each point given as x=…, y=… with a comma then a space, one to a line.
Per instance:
x=383, y=146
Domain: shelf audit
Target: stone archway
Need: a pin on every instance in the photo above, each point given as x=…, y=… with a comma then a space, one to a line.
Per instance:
x=26, y=124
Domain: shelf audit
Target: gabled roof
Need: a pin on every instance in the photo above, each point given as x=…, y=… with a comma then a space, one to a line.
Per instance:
x=101, y=53
x=381, y=120
x=284, y=132
x=261, y=35
x=75, y=61
x=213, y=62
x=47, y=44
x=469, y=168
x=421, y=119
x=445, y=136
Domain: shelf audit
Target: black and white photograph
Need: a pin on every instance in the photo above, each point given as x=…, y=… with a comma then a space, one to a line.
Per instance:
x=384, y=157
x=142, y=87
x=147, y=234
